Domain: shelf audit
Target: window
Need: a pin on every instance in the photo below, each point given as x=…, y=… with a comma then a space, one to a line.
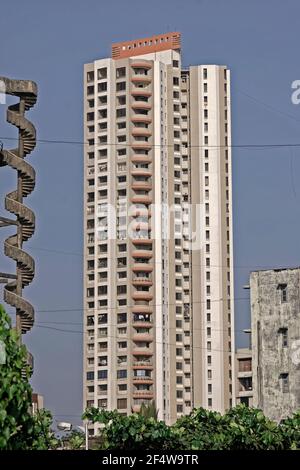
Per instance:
x=121, y=290
x=121, y=403
x=102, y=73
x=121, y=72
x=102, y=87
x=205, y=87
x=175, y=63
x=121, y=100
x=90, y=320
x=121, y=86
x=179, y=408
x=90, y=90
x=90, y=376
x=122, y=387
x=90, y=76
x=102, y=113
x=283, y=290
x=102, y=290
x=175, y=81
x=284, y=333
x=121, y=112
x=122, y=318
x=209, y=388
x=102, y=100
x=122, y=374
x=209, y=402
x=102, y=318
x=285, y=382
x=102, y=374
x=179, y=394
x=90, y=116
x=102, y=403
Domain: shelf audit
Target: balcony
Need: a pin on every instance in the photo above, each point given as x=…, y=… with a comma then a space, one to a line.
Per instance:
x=140, y=78
x=140, y=105
x=137, y=267
x=141, y=64
x=140, y=92
x=142, y=295
x=244, y=374
x=141, y=158
x=146, y=254
x=141, y=199
x=143, y=394
x=137, y=185
x=144, y=337
x=141, y=172
x=142, y=351
x=141, y=145
x=142, y=240
x=141, y=131
x=143, y=324
x=142, y=380
x=141, y=118
x=142, y=365
x=142, y=309
x=245, y=393
x=142, y=281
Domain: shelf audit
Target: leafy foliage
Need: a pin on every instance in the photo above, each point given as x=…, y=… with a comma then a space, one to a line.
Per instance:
x=18, y=428
x=241, y=428
x=134, y=432
x=149, y=411
x=74, y=440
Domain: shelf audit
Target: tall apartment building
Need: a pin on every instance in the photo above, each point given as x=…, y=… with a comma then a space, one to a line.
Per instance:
x=158, y=302
x=275, y=325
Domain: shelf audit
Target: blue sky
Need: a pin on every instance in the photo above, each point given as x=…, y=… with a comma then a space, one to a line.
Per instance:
x=49, y=42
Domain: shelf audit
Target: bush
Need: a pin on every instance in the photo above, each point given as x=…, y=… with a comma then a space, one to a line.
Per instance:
x=18, y=428
x=241, y=428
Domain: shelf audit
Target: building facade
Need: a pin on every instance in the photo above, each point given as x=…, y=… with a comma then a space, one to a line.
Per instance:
x=243, y=369
x=275, y=325
x=158, y=261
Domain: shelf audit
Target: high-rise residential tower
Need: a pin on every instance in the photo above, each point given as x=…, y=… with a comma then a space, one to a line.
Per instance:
x=158, y=270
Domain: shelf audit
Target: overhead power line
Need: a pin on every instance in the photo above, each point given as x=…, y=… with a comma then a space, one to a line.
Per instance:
x=78, y=142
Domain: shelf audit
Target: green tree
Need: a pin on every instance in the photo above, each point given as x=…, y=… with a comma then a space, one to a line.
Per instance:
x=18, y=428
x=149, y=411
x=74, y=440
x=134, y=432
x=240, y=428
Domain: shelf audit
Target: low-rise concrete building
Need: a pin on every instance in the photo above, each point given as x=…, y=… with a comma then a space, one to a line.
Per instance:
x=275, y=325
x=243, y=383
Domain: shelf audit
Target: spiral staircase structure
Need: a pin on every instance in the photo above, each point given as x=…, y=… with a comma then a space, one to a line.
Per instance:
x=24, y=218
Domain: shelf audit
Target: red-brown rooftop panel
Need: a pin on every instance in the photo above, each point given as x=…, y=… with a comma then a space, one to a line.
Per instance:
x=161, y=42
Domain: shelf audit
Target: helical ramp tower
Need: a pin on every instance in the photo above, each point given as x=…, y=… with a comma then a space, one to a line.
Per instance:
x=23, y=217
